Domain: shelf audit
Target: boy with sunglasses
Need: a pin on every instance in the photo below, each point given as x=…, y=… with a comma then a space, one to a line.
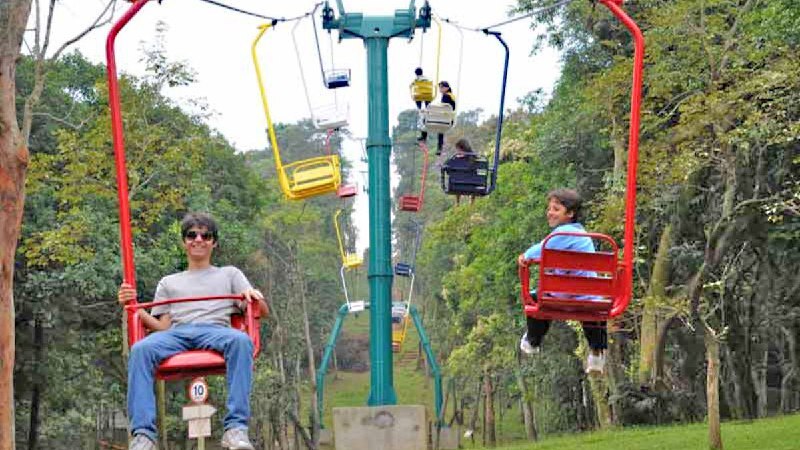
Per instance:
x=193, y=325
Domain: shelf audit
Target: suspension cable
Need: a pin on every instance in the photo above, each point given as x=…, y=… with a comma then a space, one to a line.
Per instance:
x=260, y=16
x=535, y=12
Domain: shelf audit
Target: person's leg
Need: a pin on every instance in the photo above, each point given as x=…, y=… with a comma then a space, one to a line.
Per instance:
x=144, y=358
x=237, y=348
x=536, y=330
x=419, y=104
x=439, y=144
x=596, y=335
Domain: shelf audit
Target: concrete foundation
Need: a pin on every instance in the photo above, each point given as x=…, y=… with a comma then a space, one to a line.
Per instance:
x=326, y=437
x=380, y=427
x=448, y=437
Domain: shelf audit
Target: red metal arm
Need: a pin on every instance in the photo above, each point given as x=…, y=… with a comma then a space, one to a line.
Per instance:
x=633, y=151
x=136, y=331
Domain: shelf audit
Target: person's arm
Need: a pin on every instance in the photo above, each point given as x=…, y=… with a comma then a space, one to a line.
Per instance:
x=127, y=294
x=256, y=296
x=242, y=285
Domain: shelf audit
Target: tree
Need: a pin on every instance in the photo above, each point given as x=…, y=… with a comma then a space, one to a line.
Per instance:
x=13, y=167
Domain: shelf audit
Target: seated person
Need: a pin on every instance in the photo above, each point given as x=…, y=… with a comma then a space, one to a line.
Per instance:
x=465, y=153
x=193, y=325
x=563, y=214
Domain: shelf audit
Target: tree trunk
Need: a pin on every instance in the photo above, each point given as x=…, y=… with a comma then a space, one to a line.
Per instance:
x=489, y=427
x=312, y=372
x=615, y=368
x=38, y=348
x=599, y=388
x=758, y=372
x=712, y=389
x=473, y=421
x=648, y=336
x=789, y=369
x=528, y=415
x=13, y=168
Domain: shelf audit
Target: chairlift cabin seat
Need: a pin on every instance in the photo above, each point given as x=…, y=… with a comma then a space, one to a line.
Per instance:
x=563, y=293
x=310, y=177
x=423, y=90
x=403, y=269
x=337, y=78
x=347, y=190
x=413, y=203
x=197, y=363
x=466, y=176
x=438, y=118
x=330, y=117
x=301, y=179
x=349, y=260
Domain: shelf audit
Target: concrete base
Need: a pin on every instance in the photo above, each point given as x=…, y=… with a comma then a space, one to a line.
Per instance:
x=326, y=437
x=448, y=438
x=380, y=427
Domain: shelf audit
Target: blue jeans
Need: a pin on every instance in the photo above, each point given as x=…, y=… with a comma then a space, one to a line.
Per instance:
x=235, y=346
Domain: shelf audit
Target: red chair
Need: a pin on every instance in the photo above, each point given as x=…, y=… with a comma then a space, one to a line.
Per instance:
x=197, y=363
x=413, y=203
x=194, y=362
x=563, y=294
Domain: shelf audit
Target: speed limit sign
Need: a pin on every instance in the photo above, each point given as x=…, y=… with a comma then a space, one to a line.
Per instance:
x=198, y=390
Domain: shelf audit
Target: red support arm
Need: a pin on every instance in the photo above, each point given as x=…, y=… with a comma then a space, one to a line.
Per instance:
x=135, y=328
x=633, y=151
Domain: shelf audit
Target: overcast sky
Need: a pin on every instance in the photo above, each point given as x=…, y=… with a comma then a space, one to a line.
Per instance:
x=216, y=44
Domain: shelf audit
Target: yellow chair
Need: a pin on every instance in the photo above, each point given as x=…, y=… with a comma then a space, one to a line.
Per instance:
x=422, y=90
x=301, y=179
x=349, y=260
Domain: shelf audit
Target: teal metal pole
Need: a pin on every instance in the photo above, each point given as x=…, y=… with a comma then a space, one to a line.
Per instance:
x=379, y=148
x=437, y=374
x=326, y=358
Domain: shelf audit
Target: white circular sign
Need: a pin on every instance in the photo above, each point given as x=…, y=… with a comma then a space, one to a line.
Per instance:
x=198, y=390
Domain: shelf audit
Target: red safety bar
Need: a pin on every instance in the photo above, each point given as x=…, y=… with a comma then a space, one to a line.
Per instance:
x=619, y=285
x=194, y=363
x=564, y=294
x=413, y=203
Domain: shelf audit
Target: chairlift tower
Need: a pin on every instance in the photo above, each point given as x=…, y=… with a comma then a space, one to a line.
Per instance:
x=376, y=31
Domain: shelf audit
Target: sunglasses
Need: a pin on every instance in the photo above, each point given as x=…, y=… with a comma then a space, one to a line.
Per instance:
x=192, y=235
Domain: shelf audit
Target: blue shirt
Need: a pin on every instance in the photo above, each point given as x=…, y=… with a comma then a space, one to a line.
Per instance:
x=576, y=243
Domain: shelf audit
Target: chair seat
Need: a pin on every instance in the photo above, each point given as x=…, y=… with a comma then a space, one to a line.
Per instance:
x=190, y=364
x=410, y=203
x=347, y=190
x=352, y=260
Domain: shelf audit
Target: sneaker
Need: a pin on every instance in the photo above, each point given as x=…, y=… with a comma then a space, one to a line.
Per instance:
x=142, y=442
x=595, y=363
x=236, y=439
x=526, y=346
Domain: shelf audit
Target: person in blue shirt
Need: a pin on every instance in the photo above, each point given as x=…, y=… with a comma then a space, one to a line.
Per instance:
x=563, y=215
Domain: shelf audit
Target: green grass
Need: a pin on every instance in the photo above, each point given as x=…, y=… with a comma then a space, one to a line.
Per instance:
x=352, y=388
x=777, y=433
x=413, y=388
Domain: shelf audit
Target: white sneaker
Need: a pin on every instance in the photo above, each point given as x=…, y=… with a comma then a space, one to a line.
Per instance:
x=236, y=439
x=142, y=442
x=595, y=363
x=526, y=346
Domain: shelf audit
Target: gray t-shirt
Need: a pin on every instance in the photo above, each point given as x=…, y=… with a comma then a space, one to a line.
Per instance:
x=201, y=283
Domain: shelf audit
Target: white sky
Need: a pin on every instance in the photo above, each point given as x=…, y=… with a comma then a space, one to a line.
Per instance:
x=216, y=43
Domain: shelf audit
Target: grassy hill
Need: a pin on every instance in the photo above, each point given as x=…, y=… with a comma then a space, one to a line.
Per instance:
x=413, y=388
x=777, y=433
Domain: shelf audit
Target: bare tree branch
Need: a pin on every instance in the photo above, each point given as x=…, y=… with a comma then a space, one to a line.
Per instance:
x=98, y=22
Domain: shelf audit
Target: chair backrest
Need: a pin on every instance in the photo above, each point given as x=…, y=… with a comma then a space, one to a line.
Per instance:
x=570, y=273
x=465, y=176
